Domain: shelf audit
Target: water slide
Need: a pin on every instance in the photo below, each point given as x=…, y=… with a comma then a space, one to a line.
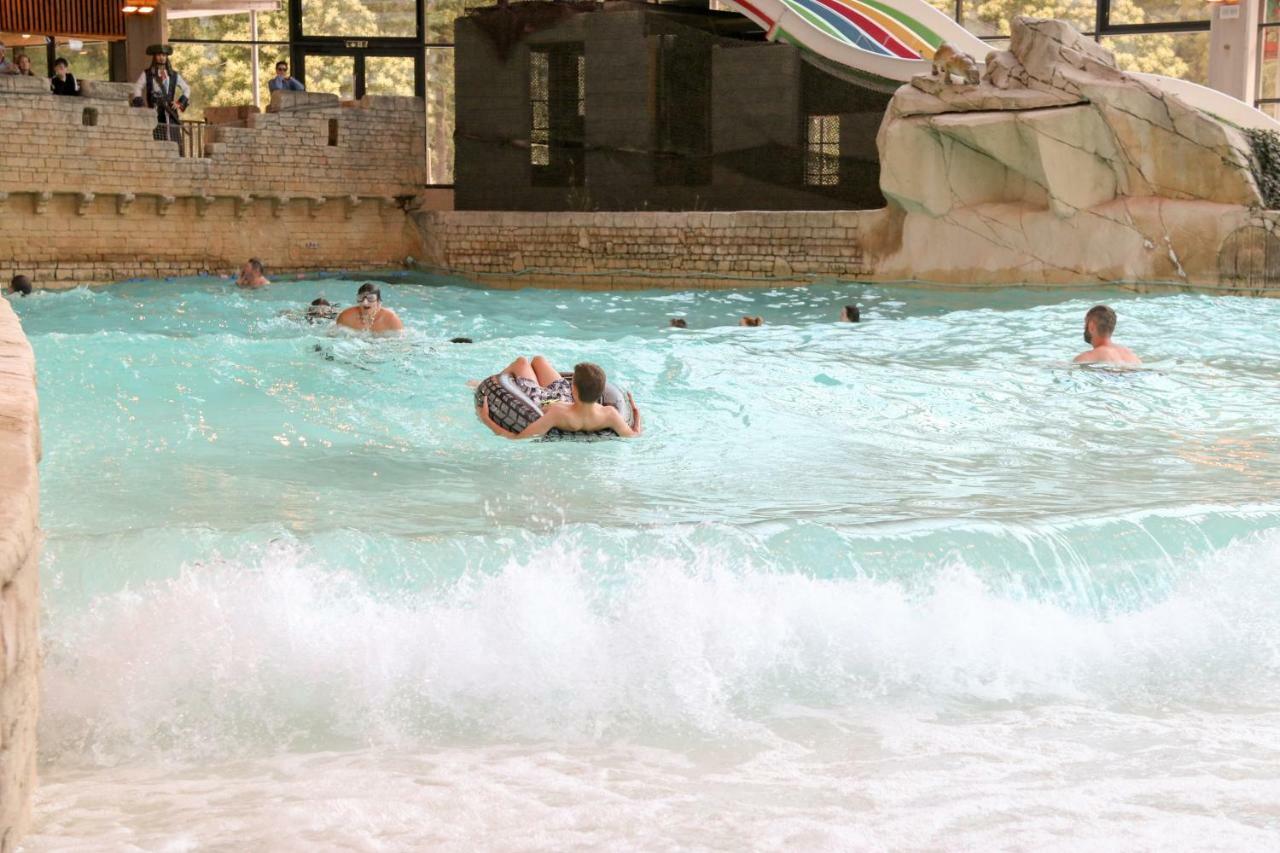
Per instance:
x=884, y=43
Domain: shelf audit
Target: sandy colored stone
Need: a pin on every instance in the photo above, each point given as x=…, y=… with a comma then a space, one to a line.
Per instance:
x=19, y=579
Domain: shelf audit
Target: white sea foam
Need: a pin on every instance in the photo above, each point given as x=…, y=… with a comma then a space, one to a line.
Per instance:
x=236, y=656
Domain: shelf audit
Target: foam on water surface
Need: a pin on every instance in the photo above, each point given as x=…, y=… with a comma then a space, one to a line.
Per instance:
x=911, y=583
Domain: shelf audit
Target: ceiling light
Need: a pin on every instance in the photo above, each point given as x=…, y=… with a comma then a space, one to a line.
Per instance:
x=130, y=10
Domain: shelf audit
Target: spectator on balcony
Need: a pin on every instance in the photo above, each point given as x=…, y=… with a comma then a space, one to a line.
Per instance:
x=6, y=67
x=23, y=66
x=156, y=88
x=282, y=80
x=63, y=81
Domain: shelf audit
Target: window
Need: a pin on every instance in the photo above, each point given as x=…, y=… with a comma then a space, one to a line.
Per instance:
x=822, y=152
x=557, y=113
x=682, y=107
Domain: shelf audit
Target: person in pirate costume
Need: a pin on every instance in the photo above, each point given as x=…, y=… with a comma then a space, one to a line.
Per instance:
x=156, y=89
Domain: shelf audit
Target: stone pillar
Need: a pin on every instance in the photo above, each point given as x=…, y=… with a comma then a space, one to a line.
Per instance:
x=1233, y=48
x=139, y=32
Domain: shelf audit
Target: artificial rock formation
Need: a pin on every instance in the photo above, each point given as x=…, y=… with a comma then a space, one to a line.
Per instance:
x=1059, y=168
x=19, y=579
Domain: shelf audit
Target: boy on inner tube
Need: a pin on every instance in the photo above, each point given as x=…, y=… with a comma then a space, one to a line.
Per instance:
x=568, y=405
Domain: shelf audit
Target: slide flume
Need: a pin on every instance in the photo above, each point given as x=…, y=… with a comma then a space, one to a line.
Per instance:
x=884, y=43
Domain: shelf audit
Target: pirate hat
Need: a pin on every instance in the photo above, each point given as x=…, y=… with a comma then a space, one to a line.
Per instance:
x=156, y=49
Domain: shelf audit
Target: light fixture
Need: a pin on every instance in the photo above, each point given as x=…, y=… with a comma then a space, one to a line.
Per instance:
x=138, y=8
x=129, y=9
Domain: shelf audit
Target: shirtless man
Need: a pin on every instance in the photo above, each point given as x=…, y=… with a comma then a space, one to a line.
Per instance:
x=1099, y=323
x=251, y=275
x=368, y=314
x=568, y=405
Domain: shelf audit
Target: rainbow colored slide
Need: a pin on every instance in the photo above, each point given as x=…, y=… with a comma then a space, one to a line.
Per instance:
x=884, y=43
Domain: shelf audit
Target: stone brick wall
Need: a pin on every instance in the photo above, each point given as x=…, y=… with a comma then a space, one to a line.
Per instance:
x=87, y=195
x=619, y=250
x=19, y=579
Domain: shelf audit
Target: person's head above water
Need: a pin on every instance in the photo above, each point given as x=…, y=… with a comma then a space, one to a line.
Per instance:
x=321, y=309
x=368, y=295
x=20, y=284
x=588, y=382
x=748, y=320
x=1099, y=325
x=679, y=323
x=850, y=314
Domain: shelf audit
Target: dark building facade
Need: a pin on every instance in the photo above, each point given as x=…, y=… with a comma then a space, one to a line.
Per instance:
x=631, y=106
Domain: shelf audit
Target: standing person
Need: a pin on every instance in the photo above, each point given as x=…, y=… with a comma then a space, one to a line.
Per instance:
x=6, y=67
x=156, y=88
x=24, y=66
x=368, y=314
x=63, y=81
x=282, y=80
x=1099, y=324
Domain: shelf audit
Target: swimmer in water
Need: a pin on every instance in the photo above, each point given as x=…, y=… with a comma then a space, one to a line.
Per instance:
x=321, y=309
x=252, y=275
x=748, y=320
x=850, y=314
x=369, y=314
x=1099, y=324
x=571, y=405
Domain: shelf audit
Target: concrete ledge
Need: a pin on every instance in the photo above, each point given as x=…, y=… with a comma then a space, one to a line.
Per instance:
x=19, y=579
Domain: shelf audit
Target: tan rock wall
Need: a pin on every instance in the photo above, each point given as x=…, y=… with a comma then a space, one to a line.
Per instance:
x=1145, y=242
x=87, y=195
x=621, y=250
x=19, y=579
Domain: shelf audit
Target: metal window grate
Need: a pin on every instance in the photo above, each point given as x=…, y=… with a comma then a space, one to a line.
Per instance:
x=822, y=152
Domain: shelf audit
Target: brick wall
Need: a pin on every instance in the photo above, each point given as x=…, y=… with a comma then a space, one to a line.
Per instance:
x=87, y=195
x=618, y=250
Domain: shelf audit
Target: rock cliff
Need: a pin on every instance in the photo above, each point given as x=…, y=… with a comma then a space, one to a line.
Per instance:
x=1059, y=167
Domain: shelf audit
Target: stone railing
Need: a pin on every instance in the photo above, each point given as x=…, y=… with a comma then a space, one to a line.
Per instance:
x=19, y=578
x=88, y=195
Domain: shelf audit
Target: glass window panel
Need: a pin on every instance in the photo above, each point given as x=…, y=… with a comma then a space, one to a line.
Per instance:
x=992, y=17
x=1157, y=11
x=210, y=28
x=1271, y=11
x=218, y=74
x=1269, y=79
x=1272, y=110
x=334, y=75
x=388, y=75
x=948, y=7
x=442, y=13
x=89, y=60
x=1184, y=55
x=361, y=18
x=440, y=115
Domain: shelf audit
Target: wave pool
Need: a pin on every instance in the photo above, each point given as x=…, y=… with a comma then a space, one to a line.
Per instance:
x=916, y=583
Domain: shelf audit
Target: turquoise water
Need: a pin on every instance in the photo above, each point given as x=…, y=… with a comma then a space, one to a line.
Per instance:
x=916, y=582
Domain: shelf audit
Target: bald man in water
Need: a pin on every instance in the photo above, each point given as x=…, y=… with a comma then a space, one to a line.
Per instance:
x=1099, y=323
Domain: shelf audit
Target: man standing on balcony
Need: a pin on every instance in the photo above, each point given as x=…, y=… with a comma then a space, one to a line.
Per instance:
x=282, y=80
x=155, y=89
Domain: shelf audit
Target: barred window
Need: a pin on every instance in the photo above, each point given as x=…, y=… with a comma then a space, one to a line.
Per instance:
x=558, y=108
x=822, y=152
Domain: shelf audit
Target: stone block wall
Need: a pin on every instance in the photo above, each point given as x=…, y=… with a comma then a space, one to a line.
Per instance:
x=88, y=195
x=633, y=250
x=19, y=579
